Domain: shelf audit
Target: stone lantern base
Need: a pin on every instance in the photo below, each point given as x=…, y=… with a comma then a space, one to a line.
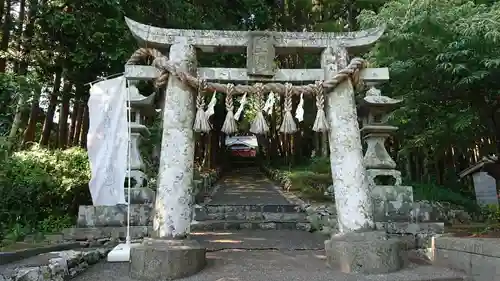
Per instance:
x=365, y=252
x=157, y=259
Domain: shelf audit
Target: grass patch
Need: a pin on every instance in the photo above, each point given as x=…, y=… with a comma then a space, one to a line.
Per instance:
x=310, y=185
x=17, y=246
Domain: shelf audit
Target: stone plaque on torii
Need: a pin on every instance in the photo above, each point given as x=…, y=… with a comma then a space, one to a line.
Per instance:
x=178, y=72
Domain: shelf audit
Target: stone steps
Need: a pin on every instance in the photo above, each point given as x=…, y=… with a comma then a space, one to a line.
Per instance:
x=212, y=225
x=249, y=212
x=259, y=217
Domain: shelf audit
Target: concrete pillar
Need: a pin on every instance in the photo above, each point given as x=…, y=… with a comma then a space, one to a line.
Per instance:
x=172, y=217
x=351, y=189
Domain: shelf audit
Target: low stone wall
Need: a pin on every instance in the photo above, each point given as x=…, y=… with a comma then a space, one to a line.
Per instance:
x=12, y=256
x=323, y=218
x=96, y=222
x=477, y=257
x=53, y=266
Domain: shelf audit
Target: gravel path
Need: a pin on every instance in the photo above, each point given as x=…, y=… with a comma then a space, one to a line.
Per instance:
x=240, y=265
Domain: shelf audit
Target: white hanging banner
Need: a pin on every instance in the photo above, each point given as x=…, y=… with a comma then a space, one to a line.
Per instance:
x=211, y=106
x=299, y=112
x=243, y=101
x=107, y=139
x=268, y=106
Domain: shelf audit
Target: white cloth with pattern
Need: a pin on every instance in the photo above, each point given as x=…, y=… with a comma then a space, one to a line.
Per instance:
x=107, y=140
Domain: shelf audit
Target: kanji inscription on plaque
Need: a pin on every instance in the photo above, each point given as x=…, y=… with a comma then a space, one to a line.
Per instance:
x=260, y=54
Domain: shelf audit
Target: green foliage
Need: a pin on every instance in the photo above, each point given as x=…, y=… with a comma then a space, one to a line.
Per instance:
x=436, y=193
x=491, y=214
x=42, y=189
x=443, y=57
x=311, y=185
x=12, y=87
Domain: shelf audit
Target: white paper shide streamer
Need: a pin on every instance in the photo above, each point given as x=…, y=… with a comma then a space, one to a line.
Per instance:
x=299, y=112
x=243, y=101
x=268, y=106
x=211, y=106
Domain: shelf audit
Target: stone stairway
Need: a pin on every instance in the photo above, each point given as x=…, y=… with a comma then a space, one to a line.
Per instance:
x=246, y=199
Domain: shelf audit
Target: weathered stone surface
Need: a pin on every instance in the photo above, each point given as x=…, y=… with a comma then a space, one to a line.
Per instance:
x=215, y=40
x=410, y=228
x=95, y=233
x=166, y=259
x=479, y=258
x=365, y=252
x=141, y=195
x=146, y=72
x=174, y=198
x=55, y=266
x=392, y=203
x=372, y=174
x=352, y=192
x=244, y=224
x=97, y=216
x=480, y=246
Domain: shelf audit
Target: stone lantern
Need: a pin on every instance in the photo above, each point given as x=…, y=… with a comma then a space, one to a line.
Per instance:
x=375, y=132
x=391, y=201
x=141, y=107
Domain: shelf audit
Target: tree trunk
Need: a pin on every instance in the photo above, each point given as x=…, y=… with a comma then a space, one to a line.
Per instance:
x=23, y=66
x=79, y=123
x=19, y=34
x=49, y=116
x=63, y=115
x=4, y=44
x=29, y=133
x=85, y=127
x=72, y=127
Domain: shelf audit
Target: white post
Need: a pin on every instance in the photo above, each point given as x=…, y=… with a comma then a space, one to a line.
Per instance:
x=175, y=180
x=351, y=189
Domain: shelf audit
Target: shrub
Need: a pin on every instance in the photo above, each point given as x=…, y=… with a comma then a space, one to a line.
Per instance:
x=41, y=189
x=434, y=193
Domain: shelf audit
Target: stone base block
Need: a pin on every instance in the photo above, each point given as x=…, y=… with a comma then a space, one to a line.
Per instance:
x=102, y=216
x=365, y=252
x=157, y=259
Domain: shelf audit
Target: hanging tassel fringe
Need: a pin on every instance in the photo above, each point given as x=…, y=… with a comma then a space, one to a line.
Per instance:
x=259, y=124
x=320, y=123
x=229, y=127
x=288, y=126
x=201, y=124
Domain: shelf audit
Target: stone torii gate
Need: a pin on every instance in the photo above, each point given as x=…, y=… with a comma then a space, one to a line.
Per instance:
x=173, y=208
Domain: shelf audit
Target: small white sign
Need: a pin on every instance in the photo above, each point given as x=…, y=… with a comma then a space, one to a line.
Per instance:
x=486, y=189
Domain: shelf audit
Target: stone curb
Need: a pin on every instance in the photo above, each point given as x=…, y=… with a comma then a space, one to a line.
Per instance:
x=9, y=257
x=480, y=246
x=63, y=265
x=477, y=257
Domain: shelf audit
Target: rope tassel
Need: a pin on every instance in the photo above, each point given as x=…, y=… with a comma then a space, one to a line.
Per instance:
x=288, y=126
x=229, y=127
x=320, y=123
x=201, y=124
x=259, y=125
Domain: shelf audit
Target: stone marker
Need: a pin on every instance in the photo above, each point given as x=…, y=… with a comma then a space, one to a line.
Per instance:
x=486, y=189
x=365, y=252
